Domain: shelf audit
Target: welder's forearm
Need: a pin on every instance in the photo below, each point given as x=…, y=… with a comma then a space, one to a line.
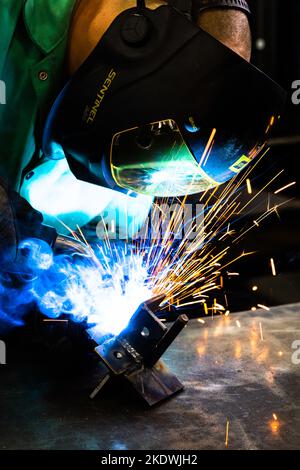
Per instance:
x=231, y=27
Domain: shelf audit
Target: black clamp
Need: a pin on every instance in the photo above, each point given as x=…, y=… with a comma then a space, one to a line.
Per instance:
x=134, y=355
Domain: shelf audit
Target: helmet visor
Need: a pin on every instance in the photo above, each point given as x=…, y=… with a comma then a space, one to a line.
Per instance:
x=166, y=160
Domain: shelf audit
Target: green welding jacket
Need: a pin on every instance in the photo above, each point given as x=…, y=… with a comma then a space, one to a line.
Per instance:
x=33, y=41
x=33, y=45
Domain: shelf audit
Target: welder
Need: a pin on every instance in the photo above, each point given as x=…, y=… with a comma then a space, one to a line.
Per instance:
x=47, y=44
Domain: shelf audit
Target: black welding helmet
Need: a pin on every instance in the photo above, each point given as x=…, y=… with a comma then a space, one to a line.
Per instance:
x=162, y=108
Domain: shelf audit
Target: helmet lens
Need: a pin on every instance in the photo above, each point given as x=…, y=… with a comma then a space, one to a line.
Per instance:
x=157, y=160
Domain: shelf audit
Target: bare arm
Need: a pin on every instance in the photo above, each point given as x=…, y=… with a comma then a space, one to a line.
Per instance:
x=93, y=17
x=231, y=27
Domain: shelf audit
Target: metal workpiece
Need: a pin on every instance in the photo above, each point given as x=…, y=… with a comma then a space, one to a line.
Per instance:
x=134, y=355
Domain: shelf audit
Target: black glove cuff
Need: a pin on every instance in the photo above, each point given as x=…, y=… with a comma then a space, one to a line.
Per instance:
x=201, y=5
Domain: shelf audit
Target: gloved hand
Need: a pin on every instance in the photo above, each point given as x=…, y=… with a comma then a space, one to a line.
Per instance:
x=18, y=220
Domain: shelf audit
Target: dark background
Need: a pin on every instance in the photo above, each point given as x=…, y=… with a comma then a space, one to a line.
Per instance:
x=277, y=23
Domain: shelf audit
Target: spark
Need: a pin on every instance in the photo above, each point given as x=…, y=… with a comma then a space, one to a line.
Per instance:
x=285, y=187
x=271, y=123
x=227, y=434
x=264, y=307
x=254, y=288
x=249, y=187
x=190, y=303
x=201, y=321
x=238, y=324
x=261, y=332
x=219, y=307
x=274, y=424
x=208, y=146
x=273, y=267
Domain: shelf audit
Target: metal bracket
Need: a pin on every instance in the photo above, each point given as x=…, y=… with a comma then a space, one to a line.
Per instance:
x=135, y=353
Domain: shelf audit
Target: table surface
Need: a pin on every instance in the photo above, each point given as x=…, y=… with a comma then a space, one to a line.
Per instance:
x=237, y=371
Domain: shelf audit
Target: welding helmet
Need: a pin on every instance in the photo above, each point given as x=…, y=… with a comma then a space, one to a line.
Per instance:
x=161, y=108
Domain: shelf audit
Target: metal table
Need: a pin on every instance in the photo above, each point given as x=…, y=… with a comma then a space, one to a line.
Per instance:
x=238, y=374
